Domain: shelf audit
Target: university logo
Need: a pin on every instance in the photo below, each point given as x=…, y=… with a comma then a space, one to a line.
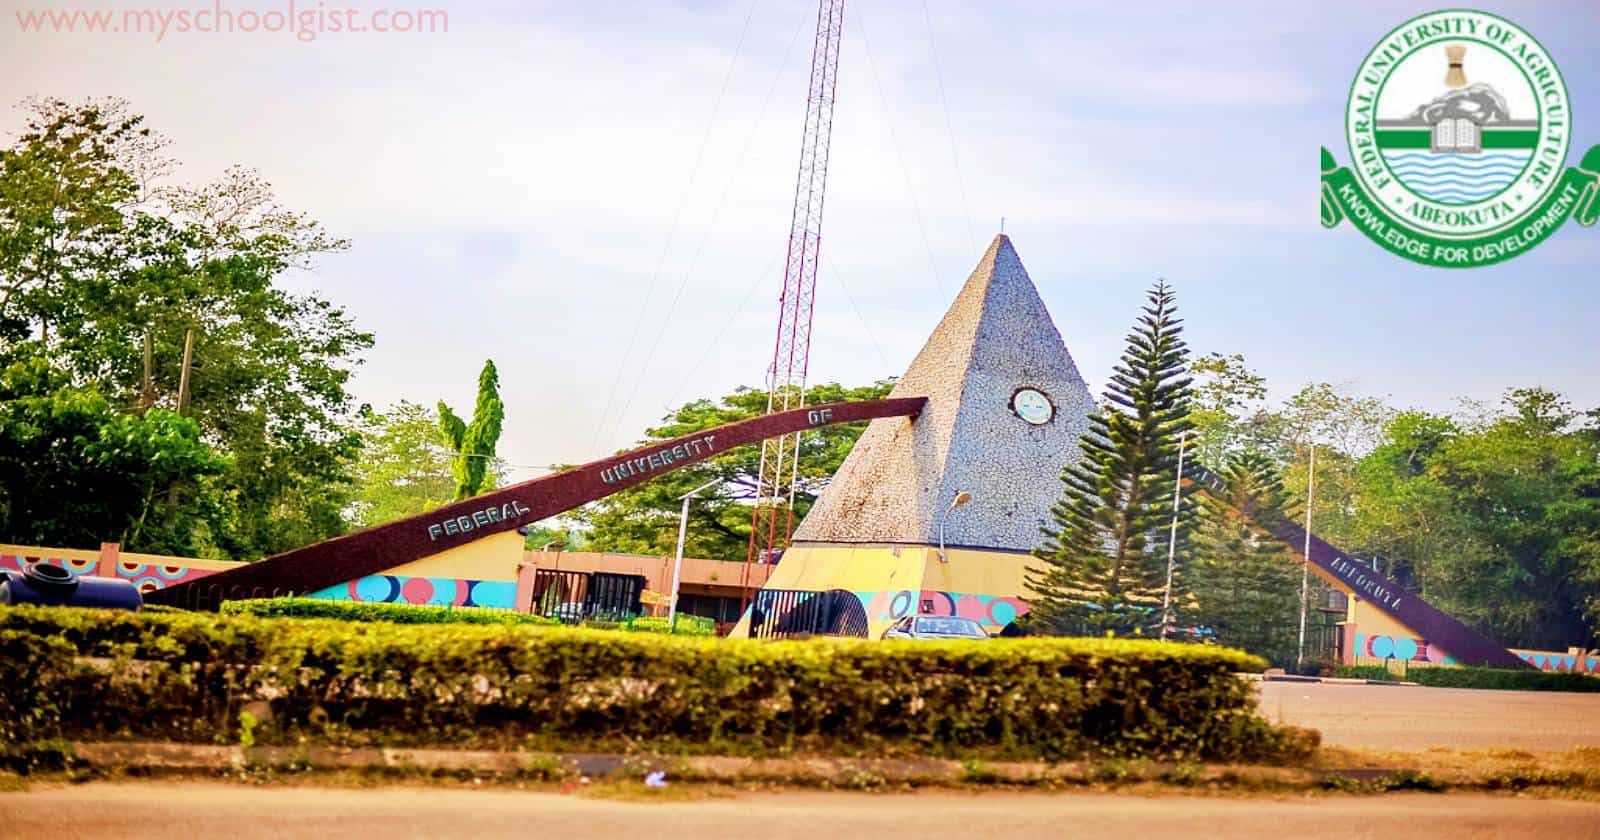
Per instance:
x=1459, y=127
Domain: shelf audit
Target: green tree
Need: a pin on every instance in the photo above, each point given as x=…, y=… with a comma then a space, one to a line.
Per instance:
x=1528, y=484
x=1243, y=581
x=109, y=272
x=404, y=468
x=1229, y=412
x=644, y=519
x=1099, y=568
x=76, y=471
x=473, y=443
x=537, y=537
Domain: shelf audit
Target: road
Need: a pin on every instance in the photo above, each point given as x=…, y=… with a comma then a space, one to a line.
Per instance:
x=1416, y=717
x=192, y=810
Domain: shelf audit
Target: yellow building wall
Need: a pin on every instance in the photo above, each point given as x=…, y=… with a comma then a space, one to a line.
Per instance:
x=895, y=581
x=491, y=558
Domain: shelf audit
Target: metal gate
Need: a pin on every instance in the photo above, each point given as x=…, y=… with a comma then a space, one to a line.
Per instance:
x=572, y=597
x=783, y=613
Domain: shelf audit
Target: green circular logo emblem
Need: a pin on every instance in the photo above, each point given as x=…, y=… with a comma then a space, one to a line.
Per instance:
x=1458, y=128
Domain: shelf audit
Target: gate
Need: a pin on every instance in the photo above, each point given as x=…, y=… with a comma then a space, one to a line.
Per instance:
x=573, y=597
x=784, y=613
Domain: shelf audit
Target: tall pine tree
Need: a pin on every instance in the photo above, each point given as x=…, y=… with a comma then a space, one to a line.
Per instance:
x=1244, y=584
x=1103, y=567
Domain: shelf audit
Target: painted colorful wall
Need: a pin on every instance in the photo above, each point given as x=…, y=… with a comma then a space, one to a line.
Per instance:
x=893, y=581
x=149, y=571
x=1574, y=659
x=482, y=573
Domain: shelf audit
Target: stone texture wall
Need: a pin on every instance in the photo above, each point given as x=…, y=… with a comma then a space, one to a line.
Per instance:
x=902, y=475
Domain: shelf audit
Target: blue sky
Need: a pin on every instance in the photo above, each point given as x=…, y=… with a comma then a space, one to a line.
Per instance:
x=511, y=189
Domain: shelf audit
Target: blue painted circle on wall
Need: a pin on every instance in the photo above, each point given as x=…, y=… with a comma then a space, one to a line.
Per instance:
x=1382, y=647
x=1002, y=612
x=1405, y=648
x=377, y=588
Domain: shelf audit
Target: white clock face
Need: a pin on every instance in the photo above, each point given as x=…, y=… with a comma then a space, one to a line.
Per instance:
x=1033, y=406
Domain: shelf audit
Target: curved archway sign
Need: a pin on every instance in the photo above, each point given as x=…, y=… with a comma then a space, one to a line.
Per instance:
x=386, y=546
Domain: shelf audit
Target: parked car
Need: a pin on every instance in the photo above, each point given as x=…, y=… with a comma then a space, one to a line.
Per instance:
x=935, y=627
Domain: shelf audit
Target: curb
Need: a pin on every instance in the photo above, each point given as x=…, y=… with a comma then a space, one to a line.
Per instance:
x=1295, y=678
x=160, y=757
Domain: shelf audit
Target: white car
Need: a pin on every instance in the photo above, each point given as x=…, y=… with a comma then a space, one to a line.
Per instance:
x=935, y=627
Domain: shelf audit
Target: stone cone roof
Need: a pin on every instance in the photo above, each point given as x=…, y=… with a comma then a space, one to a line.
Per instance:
x=902, y=474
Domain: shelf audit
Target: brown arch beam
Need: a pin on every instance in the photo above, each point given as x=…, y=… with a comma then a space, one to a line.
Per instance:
x=383, y=547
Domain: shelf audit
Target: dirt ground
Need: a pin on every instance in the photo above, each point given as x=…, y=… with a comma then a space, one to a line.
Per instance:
x=1415, y=717
x=200, y=809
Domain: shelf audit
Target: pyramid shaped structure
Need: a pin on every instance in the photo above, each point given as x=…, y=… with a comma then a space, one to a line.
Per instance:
x=874, y=532
x=996, y=339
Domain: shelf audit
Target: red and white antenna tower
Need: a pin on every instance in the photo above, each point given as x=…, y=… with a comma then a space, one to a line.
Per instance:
x=787, y=377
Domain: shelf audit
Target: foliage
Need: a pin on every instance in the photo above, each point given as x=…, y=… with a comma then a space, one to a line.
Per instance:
x=1454, y=676
x=644, y=519
x=538, y=537
x=1245, y=585
x=682, y=624
x=352, y=682
x=1495, y=520
x=1492, y=514
x=106, y=268
x=1098, y=567
x=1228, y=410
x=404, y=468
x=75, y=471
x=687, y=625
x=392, y=613
x=473, y=443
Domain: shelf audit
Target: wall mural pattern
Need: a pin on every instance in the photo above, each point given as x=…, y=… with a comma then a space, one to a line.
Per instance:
x=15, y=563
x=1560, y=661
x=432, y=591
x=149, y=577
x=988, y=610
x=1400, y=647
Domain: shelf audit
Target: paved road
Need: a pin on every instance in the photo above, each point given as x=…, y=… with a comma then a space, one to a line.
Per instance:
x=192, y=810
x=1416, y=717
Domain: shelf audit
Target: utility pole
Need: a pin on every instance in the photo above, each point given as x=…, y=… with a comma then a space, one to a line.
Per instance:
x=1305, y=557
x=677, y=564
x=1172, y=537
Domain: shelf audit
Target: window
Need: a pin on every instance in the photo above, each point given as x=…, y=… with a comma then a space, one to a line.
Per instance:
x=942, y=626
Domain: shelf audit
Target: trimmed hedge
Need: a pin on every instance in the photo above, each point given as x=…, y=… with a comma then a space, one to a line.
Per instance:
x=688, y=625
x=1456, y=676
x=82, y=674
x=377, y=611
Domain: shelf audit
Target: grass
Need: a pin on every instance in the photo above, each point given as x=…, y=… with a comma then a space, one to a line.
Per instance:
x=1573, y=774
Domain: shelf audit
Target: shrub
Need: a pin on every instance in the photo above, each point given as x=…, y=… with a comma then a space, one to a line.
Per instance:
x=187, y=676
x=393, y=613
x=1455, y=676
x=686, y=625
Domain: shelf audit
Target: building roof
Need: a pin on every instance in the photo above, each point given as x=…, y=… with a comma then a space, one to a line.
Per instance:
x=902, y=474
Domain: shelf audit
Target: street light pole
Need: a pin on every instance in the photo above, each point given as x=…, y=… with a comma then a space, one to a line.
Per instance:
x=961, y=498
x=1172, y=538
x=677, y=564
x=1305, y=558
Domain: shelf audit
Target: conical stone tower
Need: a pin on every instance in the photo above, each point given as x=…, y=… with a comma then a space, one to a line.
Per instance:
x=1006, y=407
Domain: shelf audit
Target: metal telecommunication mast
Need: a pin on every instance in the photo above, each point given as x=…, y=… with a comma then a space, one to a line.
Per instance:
x=787, y=376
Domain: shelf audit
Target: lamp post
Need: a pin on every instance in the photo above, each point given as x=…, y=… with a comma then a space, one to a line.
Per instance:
x=1172, y=537
x=961, y=498
x=677, y=564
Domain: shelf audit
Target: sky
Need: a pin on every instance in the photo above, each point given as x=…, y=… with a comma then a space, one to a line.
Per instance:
x=597, y=195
